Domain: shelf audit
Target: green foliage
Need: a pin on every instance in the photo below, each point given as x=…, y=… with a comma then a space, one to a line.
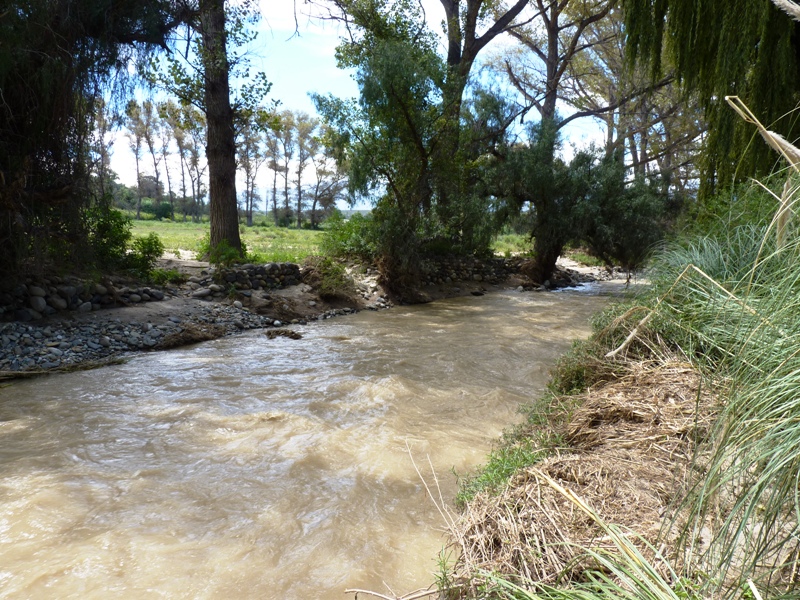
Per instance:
x=144, y=253
x=532, y=178
x=223, y=254
x=503, y=462
x=351, y=238
x=509, y=244
x=578, y=369
x=57, y=58
x=392, y=141
x=109, y=236
x=620, y=223
x=747, y=48
x=330, y=278
x=740, y=205
x=165, y=276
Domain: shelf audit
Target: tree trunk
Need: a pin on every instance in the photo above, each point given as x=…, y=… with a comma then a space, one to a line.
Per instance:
x=220, y=143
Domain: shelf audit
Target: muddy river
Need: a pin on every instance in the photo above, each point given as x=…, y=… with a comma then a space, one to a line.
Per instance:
x=256, y=468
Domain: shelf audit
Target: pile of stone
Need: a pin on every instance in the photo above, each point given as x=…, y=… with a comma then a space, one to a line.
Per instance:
x=34, y=300
x=60, y=344
x=458, y=268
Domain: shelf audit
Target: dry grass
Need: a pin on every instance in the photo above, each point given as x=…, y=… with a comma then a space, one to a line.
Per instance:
x=630, y=444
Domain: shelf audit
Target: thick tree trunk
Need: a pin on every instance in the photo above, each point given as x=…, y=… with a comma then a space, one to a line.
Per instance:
x=220, y=144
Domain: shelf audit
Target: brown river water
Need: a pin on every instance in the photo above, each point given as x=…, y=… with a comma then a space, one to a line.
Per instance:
x=271, y=469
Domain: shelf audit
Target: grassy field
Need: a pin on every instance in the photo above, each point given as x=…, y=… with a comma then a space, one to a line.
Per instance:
x=264, y=241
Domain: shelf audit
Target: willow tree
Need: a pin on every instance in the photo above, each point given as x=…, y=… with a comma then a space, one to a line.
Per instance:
x=56, y=58
x=746, y=48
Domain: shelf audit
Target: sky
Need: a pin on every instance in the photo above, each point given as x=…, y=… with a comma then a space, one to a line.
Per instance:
x=301, y=62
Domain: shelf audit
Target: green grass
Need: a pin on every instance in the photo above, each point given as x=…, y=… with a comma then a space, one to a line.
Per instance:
x=582, y=257
x=265, y=242
x=512, y=244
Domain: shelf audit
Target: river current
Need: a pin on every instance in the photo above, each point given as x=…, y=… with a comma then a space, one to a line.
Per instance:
x=272, y=469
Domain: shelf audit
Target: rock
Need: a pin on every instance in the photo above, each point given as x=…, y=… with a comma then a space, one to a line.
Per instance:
x=67, y=291
x=520, y=289
x=85, y=307
x=277, y=323
x=175, y=319
x=237, y=304
x=34, y=315
x=215, y=288
x=100, y=290
x=36, y=291
x=55, y=351
x=57, y=303
x=104, y=341
x=201, y=293
x=156, y=294
x=38, y=303
x=134, y=298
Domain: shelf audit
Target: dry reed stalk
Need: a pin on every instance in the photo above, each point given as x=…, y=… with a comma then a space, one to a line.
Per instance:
x=789, y=7
x=630, y=444
x=775, y=140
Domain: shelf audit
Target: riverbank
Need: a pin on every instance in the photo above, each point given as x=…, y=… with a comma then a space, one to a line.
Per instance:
x=139, y=318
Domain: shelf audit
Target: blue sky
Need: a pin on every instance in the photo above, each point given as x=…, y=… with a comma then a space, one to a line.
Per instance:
x=299, y=63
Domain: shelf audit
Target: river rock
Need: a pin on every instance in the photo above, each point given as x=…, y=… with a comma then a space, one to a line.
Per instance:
x=135, y=298
x=100, y=289
x=57, y=302
x=201, y=293
x=85, y=307
x=237, y=304
x=67, y=291
x=35, y=290
x=38, y=303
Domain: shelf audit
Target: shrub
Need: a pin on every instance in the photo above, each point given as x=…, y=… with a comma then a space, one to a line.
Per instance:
x=164, y=276
x=329, y=277
x=144, y=253
x=222, y=254
x=352, y=238
x=109, y=235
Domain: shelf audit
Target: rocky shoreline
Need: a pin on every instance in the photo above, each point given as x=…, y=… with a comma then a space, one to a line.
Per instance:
x=86, y=325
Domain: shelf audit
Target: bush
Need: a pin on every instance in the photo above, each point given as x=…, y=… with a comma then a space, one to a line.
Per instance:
x=352, y=238
x=109, y=235
x=145, y=251
x=621, y=223
x=329, y=277
x=164, y=276
x=223, y=254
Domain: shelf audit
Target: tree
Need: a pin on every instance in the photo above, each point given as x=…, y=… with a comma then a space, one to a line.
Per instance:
x=135, y=136
x=273, y=149
x=406, y=83
x=173, y=120
x=746, y=48
x=165, y=141
x=104, y=122
x=57, y=58
x=307, y=146
x=286, y=140
x=251, y=156
x=216, y=34
x=330, y=177
x=220, y=142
